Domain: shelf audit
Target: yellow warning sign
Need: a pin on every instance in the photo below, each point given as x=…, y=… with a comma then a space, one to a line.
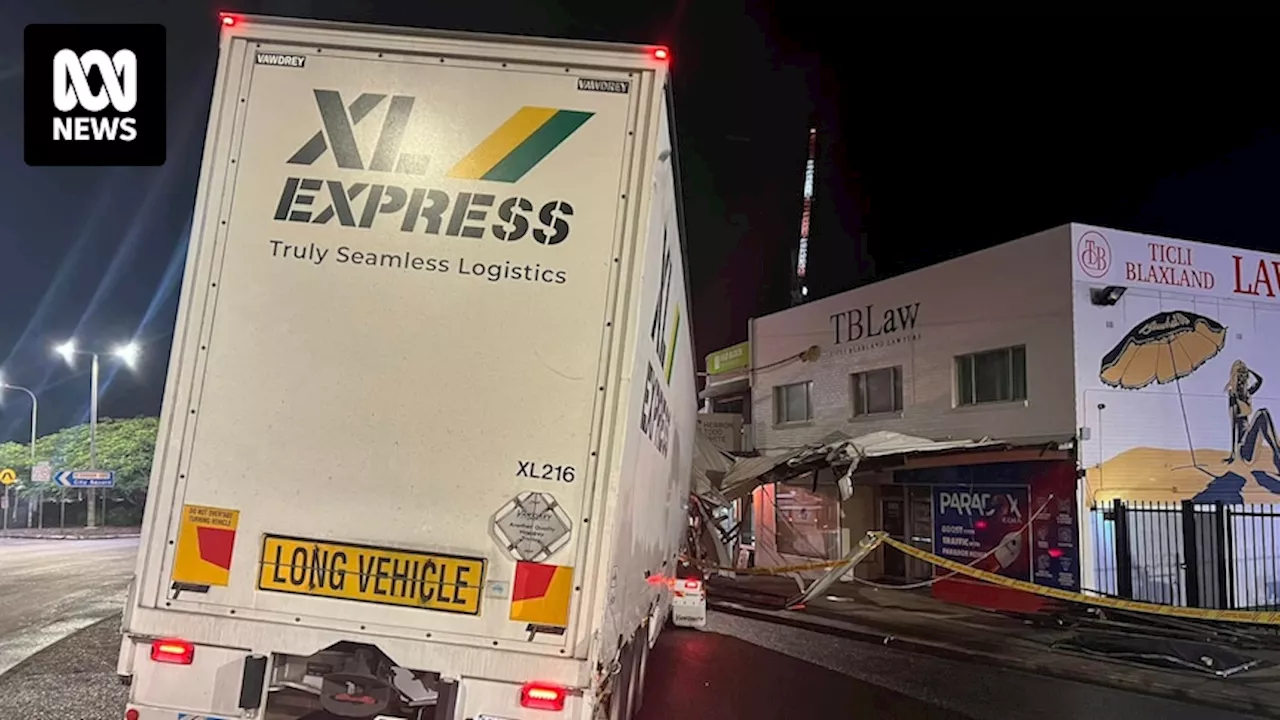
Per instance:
x=8, y=476
x=387, y=576
x=541, y=594
x=1238, y=616
x=206, y=541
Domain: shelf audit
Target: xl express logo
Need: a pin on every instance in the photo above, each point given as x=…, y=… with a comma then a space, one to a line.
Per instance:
x=664, y=331
x=95, y=95
x=506, y=156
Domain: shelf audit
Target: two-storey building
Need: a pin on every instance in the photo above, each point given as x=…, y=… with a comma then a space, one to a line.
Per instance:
x=1109, y=365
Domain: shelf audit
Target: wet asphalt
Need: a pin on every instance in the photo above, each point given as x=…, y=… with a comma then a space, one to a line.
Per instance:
x=735, y=669
x=716, y=674
x=74, y=679
x=52, y=588
x=743, y=669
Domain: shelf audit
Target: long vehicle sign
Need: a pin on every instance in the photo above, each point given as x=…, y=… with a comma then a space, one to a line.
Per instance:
x=385, y=576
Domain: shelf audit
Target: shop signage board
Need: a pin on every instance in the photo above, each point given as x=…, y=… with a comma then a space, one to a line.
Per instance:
x=724, y=430
x=734, y=357
x=984, y=526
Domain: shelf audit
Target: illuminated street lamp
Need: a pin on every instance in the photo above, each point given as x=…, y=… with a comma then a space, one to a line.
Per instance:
x=35, y=410
x=128, y=354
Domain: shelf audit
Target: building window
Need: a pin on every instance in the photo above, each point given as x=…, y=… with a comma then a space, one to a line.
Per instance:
x=877, y=391
x=992, y=376
x=808, y=522
x=793, y=403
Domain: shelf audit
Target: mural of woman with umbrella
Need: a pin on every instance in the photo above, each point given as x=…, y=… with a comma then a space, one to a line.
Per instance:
x=1246, y=427
x=1163, y=349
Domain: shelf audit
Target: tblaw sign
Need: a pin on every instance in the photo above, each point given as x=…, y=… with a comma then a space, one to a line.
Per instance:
x=873, y=326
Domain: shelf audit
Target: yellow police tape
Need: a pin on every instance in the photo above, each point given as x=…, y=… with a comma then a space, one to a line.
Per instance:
x=1235, y=616
x=881, y=538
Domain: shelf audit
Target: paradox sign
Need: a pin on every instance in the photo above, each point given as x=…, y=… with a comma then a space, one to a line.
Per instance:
x=94, y=95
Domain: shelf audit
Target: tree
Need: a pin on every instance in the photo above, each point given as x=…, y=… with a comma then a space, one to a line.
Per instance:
x=124, y=446
x=16, y=456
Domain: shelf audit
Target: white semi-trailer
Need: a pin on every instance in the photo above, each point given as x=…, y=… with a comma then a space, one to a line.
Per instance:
x=427, y=430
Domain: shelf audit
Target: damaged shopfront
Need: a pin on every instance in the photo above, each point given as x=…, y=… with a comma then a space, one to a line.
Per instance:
x=1006, y=508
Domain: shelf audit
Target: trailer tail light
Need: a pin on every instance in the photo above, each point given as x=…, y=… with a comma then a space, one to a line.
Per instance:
x=661, y=53
x=693, y=585
x=174, y=652
x=542, y=696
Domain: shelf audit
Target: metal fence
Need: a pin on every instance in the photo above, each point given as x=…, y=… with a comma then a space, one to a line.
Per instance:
x=1189, y=554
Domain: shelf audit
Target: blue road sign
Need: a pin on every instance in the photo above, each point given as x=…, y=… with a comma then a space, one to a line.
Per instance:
x=85, y=478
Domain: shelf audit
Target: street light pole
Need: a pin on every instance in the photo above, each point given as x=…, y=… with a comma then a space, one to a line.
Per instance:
x=127, y=353
x=93, y=437
x=35, y=414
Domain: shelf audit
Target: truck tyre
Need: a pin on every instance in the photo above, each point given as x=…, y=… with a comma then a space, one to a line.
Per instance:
x=620, y=698
x=633, y=685
x=642, y=670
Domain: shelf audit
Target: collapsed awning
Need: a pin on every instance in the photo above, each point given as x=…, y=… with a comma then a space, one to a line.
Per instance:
x=710, y=465
x=836, y=450
x=729, y=384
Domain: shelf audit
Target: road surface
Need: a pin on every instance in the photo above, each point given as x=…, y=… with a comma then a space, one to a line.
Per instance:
x=52, y=588
x=748, y=669
x=779, y=673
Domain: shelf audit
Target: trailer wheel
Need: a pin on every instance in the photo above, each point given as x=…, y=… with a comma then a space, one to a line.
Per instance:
x=642, y=669
x=620, y=698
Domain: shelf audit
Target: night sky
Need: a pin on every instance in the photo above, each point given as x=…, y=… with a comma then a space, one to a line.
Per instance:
x=939, y=136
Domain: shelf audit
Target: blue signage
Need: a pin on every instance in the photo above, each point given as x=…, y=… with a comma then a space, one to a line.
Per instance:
x=964, y=532
x=85, y=478
x=1055, y=553
x=984, y=526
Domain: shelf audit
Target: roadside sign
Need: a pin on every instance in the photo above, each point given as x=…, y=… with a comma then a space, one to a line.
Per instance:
x=532, y=526
x=42, y=472
x=85, y=478
x=7, y=478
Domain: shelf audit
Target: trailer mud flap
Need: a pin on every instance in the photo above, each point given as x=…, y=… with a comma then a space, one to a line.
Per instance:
x=253, y=681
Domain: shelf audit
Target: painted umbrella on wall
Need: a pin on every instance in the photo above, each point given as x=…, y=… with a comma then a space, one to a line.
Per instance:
x=1162, y=349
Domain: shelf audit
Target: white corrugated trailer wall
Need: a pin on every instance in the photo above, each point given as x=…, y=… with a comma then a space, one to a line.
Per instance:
x=647, y=509
x=650, y=78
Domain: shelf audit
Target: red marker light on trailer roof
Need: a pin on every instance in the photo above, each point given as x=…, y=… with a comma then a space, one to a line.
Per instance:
x=174, y=652
x=661, y=53
x=542, y=696
x=228, y=20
